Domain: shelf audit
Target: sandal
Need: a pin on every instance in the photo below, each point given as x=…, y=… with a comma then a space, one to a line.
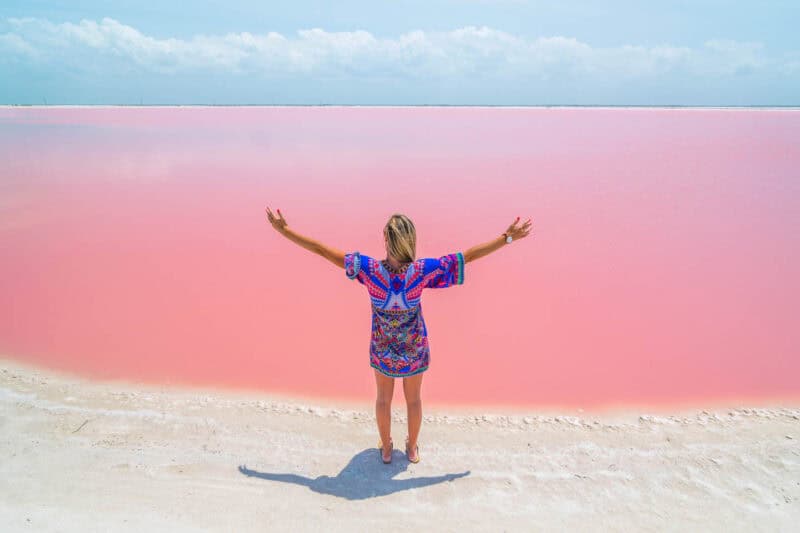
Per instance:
x=417, y=450
x=380, y=450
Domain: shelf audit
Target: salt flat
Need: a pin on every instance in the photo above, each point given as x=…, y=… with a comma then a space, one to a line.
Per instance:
x=80, y=455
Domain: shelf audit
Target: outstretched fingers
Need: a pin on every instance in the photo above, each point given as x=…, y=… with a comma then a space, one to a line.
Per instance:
x=523, y=230
x=514, y=224
x=273, y=218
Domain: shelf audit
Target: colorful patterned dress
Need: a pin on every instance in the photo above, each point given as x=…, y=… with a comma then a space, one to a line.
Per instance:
x=399, y=344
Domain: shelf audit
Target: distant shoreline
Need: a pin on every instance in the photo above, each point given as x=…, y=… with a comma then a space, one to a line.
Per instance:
x=559, y=106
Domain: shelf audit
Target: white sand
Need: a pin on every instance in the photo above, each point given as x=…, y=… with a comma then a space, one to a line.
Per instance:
x=79, y=455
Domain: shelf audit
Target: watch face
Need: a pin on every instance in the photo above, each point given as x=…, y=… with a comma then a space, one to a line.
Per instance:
x=508, y=239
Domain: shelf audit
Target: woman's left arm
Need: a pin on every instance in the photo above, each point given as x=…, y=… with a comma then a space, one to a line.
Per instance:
x=331, y=254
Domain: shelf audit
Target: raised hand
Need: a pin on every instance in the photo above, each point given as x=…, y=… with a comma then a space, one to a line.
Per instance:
x=518, y=232
x=279, y=223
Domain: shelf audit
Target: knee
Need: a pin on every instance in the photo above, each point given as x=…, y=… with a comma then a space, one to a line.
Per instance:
x=413, y=403
x=383, y=403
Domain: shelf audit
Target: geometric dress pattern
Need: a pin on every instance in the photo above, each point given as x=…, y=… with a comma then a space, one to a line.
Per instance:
x=399, y=341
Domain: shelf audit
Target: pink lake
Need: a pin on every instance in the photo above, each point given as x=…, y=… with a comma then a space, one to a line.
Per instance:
x=663, y=267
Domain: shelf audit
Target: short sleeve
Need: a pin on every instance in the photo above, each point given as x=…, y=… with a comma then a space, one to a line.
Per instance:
x=358, y=266
x=445, y=271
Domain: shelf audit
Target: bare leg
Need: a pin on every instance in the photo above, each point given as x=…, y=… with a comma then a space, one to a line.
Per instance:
x=412, y=386
x=383, y=410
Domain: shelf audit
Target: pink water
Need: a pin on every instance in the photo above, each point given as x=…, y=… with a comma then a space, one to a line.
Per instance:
x=663, y=266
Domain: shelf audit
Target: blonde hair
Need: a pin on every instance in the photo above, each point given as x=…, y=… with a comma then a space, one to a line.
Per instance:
x=401, y=236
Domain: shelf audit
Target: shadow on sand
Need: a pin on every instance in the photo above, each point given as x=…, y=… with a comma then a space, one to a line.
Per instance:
x=365, y=476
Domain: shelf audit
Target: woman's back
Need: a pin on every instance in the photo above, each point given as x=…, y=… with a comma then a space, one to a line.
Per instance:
x=381, y=279
x=399, y=342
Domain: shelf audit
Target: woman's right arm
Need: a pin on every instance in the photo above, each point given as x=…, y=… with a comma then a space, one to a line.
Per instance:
x=516, y=232
x=484, y=249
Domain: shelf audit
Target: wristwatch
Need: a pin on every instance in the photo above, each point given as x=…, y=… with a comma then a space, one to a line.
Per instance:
x=508, y=238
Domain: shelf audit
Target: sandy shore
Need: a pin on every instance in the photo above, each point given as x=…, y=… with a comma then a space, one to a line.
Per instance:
x=80, y=455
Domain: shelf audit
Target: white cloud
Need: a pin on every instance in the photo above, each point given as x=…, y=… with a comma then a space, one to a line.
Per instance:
x=731, y=57
x=468, y=51
x=15, y=44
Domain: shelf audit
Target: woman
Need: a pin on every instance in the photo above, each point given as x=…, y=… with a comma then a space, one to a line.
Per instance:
x=399, y=345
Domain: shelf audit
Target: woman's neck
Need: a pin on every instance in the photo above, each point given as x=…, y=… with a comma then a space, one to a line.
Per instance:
x=394, y=263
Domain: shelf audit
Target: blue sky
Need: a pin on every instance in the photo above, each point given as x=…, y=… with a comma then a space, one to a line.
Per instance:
x=458, y=52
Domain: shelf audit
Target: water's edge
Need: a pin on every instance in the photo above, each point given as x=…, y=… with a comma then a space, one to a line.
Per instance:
x=510, y=106
x=19, y=381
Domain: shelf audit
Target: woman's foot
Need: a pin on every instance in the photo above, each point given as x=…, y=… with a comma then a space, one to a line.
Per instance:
x=412, y=453
x=386, y=451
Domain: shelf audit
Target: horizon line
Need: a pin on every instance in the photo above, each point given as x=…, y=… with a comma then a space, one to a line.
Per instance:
x=515, y=106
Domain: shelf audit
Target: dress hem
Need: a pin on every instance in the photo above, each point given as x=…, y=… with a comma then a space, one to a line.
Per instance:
x=382, y=371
